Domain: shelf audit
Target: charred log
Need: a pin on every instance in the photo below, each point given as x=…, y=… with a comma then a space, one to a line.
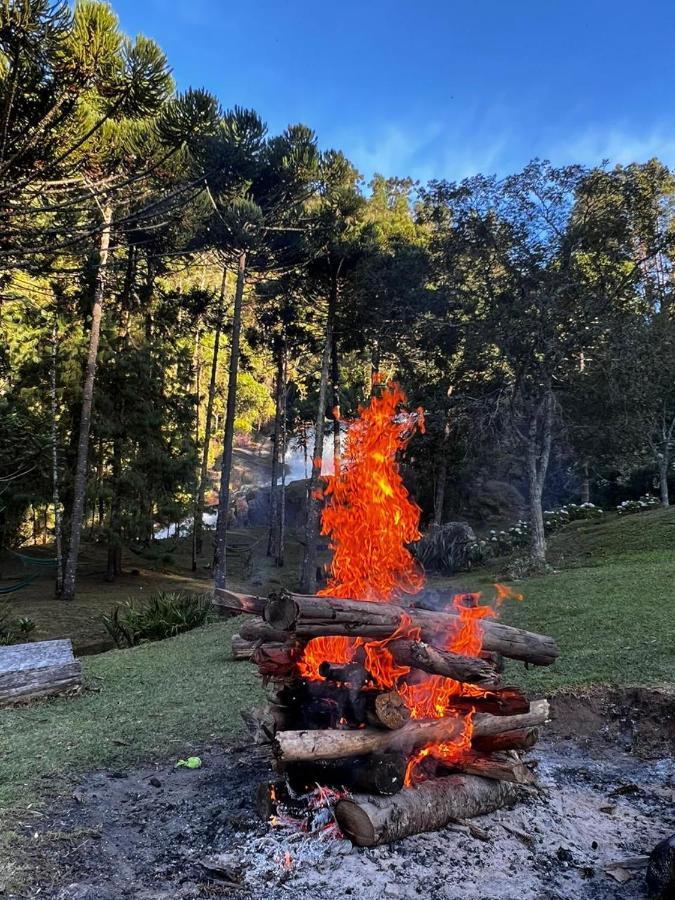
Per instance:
x=377, y=773
x=241, y=648
x=368, y=820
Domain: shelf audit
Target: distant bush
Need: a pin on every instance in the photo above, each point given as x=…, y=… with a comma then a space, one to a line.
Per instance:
x=165, y=615
x=8, y=626
x=630, y=507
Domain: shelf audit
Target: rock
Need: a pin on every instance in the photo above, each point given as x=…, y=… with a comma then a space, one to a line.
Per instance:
x=661, y=870
x=446, y=548
x=155, y=782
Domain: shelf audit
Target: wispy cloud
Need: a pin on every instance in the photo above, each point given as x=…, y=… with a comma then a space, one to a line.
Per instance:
x=492, y=144
x=619, y=144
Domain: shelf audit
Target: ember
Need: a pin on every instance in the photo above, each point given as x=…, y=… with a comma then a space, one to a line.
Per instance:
x=392, y=695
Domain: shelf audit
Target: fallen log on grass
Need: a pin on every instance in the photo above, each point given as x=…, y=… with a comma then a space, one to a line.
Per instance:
x=330, y=743
x=256, y=629
x=368, y=820
x=314, y=616
x=42, y=669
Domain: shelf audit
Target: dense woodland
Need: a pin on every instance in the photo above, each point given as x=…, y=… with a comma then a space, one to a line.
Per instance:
x=173, y=279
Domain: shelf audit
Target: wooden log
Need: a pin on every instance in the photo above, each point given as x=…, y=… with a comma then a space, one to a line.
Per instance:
x=229, y=603
x=467, y=669
x=277, y=661
x=522, y=739
x=257, y=630
x=389, y=710
x=368, y=820
x=241, y=648
x=500, y=768
x=42, y=669
x=506, y=701
x=296, y=746
x=377, y=773
x=263, y=722
x=313, y=616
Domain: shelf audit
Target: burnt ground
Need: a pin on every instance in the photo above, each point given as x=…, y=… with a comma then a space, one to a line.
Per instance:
x=607, y=794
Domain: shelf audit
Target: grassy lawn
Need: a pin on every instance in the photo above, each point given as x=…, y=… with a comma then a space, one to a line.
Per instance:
x=609, y=605
x=157, y=700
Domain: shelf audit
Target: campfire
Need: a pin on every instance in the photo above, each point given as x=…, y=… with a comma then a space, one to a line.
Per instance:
x=386, y=719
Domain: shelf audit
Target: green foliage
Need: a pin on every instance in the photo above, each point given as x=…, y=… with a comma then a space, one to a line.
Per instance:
x=164, y=615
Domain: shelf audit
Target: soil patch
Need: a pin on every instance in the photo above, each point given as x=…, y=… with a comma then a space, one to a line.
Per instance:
x=146, y=832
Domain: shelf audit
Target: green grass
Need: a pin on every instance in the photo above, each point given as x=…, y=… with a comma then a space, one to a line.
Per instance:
x=610, y=604
x=153, y=701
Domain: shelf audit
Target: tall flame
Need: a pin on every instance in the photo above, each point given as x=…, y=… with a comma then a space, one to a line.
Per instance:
x=371, y=521
x=370, y=516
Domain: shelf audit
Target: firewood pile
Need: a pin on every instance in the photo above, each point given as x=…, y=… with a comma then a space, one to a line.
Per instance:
x=353, y=726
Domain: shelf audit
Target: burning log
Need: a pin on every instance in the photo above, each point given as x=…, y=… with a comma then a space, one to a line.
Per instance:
x=522, y=739
x=467, y=669
x=377, y=773
x=256, y=629
x=313, y=616
x=229, y=603
x=298, y=746
x=241, y=648
x=368, y=820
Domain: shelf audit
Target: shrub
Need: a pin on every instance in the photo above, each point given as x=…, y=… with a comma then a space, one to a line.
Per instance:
x=165, y=615
x=8, y=626
x=630, y=507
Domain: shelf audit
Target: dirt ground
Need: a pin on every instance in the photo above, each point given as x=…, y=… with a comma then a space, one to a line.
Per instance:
x=156, y=832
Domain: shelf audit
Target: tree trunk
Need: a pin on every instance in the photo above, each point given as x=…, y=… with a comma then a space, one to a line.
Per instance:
x=540, y=436
x=663, y=479
x=335, y=412
x=114, y=564
x=281, y=535
x=276, y=447
x=208, y=424
x=80, y=480
x=308, y=571
x=585, y=483
x=58, y=522
x=374, y=364
x=219, y=560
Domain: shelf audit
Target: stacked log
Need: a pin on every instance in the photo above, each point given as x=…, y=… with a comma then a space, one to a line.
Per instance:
x=341, y=730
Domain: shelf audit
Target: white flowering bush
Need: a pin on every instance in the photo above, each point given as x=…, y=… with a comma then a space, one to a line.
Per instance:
x=630, y=507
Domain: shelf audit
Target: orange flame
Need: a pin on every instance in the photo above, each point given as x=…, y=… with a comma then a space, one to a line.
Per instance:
x=371, y=521
x=370, y=516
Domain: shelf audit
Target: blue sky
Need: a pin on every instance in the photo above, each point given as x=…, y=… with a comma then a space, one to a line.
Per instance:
x=436, y=88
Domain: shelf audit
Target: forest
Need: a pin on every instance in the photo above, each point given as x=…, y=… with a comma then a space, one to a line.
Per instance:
x=176, y=282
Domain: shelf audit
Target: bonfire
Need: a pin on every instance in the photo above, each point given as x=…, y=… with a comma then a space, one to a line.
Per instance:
x=386, y=719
